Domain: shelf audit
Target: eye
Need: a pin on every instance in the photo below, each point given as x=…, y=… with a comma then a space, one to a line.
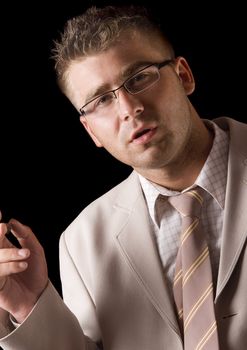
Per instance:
x=104, y=100
x=140, y=77
x=140, y=80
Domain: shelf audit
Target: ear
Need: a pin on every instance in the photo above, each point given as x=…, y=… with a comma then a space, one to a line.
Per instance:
x=90, y=132
x=185, y=75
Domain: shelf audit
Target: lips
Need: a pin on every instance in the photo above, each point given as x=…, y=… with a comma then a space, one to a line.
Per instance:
x=143, y=135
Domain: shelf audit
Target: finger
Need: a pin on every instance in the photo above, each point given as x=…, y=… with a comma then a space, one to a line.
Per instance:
x=3, y=231
x=4, y=238
x=23, y=233
x=18, y=229
x=10, y=268
x=13, y=254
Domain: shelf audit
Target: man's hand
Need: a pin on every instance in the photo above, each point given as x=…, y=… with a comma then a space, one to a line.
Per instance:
x=23, y=272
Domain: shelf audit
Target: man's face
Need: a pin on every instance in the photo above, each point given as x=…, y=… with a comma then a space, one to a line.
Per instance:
x=147, y=130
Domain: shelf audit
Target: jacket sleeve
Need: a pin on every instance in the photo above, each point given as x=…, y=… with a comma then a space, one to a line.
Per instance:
x=50, y=325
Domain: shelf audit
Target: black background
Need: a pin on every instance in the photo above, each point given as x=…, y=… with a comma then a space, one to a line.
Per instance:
x=50, y=169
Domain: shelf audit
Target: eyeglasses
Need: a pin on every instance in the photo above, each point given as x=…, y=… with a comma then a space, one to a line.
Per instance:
x=102, y=105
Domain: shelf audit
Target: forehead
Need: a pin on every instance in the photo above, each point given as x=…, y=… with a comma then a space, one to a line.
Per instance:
x=107, y=67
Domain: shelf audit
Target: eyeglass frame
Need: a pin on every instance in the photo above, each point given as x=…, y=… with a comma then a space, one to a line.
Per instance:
x=123, y=85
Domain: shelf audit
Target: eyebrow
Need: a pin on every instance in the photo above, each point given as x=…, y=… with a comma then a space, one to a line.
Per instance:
x=124, y=75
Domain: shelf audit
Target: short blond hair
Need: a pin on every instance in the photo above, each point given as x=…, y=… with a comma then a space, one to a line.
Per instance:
x=96, y=30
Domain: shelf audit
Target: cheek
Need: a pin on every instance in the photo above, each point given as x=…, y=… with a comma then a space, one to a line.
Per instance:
x=106, y=131
x=171, y=93
x=174, y=107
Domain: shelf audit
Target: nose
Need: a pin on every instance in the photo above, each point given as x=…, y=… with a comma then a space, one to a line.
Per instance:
x=129, y=106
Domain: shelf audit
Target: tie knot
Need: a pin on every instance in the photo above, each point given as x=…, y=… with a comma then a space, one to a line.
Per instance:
x=188, y=203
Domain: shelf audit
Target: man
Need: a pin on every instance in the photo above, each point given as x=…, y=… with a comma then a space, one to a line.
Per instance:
x=118, y=257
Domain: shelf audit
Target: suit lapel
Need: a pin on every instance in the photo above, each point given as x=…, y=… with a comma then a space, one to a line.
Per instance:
x=138, y=247
x=235, y=218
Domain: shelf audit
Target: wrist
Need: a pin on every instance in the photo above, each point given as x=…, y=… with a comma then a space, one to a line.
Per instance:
x=25, y=308
x=23, y=311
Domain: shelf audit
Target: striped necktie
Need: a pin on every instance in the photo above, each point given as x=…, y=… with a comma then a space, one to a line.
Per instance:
x=193, y=286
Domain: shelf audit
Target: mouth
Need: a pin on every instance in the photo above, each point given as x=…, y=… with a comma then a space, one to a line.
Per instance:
x=143, y=136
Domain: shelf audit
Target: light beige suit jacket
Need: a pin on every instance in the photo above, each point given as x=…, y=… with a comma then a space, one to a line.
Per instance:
x=113, y=281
